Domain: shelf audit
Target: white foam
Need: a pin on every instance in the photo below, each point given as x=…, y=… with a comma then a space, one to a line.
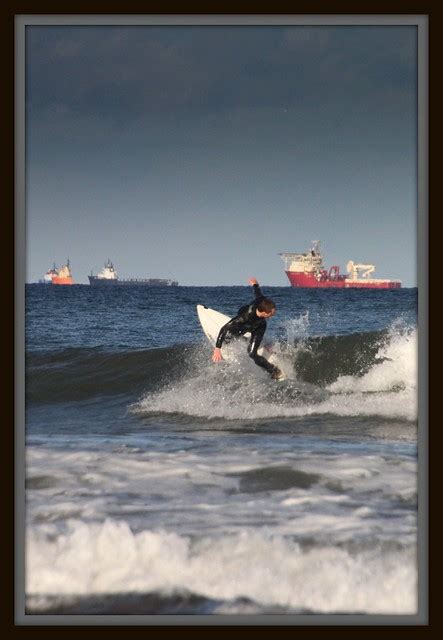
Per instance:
x=397, y=369
x=273, y=570
x=390, y=387
x=188, y=492
x=106, y=516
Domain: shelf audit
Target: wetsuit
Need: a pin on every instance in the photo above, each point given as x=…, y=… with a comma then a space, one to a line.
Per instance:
x=248, y=320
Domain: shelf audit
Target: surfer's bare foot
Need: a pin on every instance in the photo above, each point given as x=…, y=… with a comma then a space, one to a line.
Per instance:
x=277, y=374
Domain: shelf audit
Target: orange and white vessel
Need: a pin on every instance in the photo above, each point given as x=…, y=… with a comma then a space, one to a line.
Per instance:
x=58, y=276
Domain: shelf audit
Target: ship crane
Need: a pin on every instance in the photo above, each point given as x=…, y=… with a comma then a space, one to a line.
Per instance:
x=354, y=268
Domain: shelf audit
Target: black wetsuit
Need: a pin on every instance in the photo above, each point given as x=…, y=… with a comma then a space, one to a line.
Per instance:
x=248, y=320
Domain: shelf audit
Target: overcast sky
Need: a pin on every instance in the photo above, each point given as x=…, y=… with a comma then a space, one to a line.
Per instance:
x=200, y=153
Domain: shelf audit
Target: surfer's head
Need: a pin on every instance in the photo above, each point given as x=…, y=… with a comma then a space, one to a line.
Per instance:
x=266, y=308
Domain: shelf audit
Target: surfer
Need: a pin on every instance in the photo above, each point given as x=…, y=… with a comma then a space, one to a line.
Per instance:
x=250, y=318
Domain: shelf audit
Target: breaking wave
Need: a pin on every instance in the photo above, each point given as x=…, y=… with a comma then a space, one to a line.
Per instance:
x=109, y=558
x=357, y=375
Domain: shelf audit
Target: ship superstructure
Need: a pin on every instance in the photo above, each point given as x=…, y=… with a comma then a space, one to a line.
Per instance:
x=308, y=270
x=47, y=278
x=107, y=273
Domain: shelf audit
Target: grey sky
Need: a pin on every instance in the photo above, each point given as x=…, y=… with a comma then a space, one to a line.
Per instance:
x=200, y=153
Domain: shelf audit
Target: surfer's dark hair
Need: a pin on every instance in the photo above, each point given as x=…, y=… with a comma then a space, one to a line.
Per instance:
x=266, y=304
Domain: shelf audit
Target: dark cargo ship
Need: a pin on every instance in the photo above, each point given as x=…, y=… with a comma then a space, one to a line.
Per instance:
x=108, y=277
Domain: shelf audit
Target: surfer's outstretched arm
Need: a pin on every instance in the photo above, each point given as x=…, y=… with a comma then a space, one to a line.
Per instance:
x=257, y=291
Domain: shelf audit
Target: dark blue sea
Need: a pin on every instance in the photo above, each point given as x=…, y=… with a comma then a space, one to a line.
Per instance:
x=159, y=482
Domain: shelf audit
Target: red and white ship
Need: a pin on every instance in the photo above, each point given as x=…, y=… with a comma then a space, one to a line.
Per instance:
x=307, y=270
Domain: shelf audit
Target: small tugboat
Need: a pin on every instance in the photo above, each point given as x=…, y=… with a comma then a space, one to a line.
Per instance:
x=307, y=270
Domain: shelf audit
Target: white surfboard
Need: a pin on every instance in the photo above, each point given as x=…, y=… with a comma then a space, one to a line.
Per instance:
x=212, y=321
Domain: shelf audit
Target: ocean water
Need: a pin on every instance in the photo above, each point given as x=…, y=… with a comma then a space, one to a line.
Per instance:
x=158, y=482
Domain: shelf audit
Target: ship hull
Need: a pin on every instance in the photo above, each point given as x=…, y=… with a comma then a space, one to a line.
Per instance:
x=60, y=280
x=106, y=282
x=306, y=280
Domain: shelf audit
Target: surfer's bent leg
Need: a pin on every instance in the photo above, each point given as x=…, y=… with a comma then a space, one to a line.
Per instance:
x=254, y=343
